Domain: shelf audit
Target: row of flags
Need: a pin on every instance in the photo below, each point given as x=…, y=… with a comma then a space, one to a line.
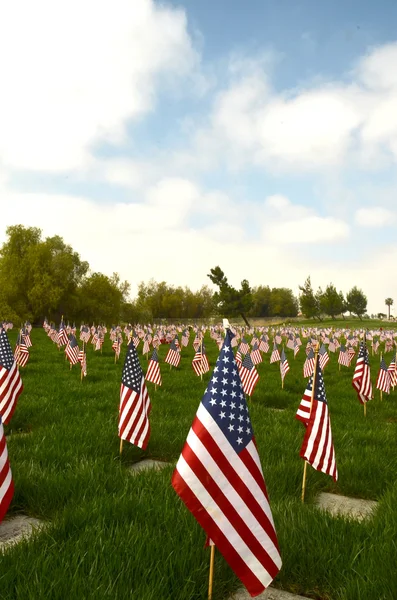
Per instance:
x=218, y=475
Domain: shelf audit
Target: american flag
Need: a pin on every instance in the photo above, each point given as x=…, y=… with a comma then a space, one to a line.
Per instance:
x=239, y=358
x=85, y=334
x=26, y=338
x=323, y=357
x=244, y=346
x=219, y=478
x=275, y=356
x=392, y=372
x=255, y=354
x=200, y=362
x=263, y=344
x=362, y=376
x=83, y=361
x=10, y=380
x=21, y=353
x=343, y=358
x=62, y=338
x=317, y=447
x=383, y=380
x=185, y=337
x=249, y=375
x=296, y=347
x=291, y=342
x=6, y=481
x=116, y=346
x=135, y=404
x=146, y=345
x=284, y=366
x=173, y=357
x=351, y=353
x=72, y=350
x=153, y=373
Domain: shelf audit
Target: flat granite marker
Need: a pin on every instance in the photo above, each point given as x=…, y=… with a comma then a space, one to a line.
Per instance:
x=148, y=464
x=269, y=594
x=353, y=508
x=18, y=528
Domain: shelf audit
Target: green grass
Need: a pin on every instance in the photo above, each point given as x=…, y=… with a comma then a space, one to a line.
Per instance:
x=113, y=535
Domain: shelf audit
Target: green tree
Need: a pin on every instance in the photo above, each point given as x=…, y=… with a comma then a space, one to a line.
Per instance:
x=261, y=301
x=356, y=302
x=389, y=303
x=101, y=298
x=283, y=303
x=309, y=302
x=332, y=303
x=228, y=300
x=39, y=277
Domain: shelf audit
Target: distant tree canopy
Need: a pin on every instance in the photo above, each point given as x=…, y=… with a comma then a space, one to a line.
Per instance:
x=46, y=277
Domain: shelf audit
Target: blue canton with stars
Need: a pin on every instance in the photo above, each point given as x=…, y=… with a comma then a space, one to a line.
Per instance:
x=132, y=372
x=6, y=355
x=224, y=399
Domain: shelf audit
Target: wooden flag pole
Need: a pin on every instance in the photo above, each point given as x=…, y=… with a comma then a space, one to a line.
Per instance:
x=121, y=445
x=381, y=398
x=365, y=409
x=311, y=406
x=81, y=365
x=201, y=361
x=211, y=577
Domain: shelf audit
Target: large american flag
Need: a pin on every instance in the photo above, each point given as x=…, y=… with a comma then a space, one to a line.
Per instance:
x=219, y=478
x=134, y=402
x=6, y=482
x=317, y=447
x=362, y=376
x=10, y=380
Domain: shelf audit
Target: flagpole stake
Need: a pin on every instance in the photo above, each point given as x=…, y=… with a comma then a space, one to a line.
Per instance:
x=121, y=445
x=304, y=481
x=365, y=409
x=211, y=577
x=381, y=398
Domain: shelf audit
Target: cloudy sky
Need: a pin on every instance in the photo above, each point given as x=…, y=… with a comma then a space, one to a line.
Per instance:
x=162, y=139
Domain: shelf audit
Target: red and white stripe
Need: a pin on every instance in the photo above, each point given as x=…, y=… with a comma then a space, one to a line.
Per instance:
x=134, y=411
x=153, y=373
x=249, y=379
x=317, y=447
x=6, y=482
x=10, y=388
x=226, y=493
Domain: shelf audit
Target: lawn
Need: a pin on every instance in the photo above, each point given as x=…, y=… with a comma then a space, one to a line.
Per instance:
x=114, y=535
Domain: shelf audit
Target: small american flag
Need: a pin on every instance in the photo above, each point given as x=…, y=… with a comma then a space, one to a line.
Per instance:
x=62, y=338
x=317, y=447
x=284, y=366
x=392, y=372
x=173, y=356
x=383, y=380
x=153, y=373
x=343, y=358
x=219, y=478
x=263, y=344
x=275, y=355
x=323, y=357
x=10, y=380
x=6, y=481
x=135, y=404
x=83, y=362
x=21, y=352
x=244, y=346
x=362, y=376
x=200, y=362
x=249, y=375
x=72, y=350
x=255, y=354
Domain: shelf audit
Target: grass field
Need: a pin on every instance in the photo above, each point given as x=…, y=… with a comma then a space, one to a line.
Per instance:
x=113, y=535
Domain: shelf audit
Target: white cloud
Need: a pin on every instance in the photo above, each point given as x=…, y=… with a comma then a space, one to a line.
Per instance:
x=328, y=124
x=374, y=217
x=72, y=74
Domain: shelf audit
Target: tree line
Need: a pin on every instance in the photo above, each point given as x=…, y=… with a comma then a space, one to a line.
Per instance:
x=47, y=278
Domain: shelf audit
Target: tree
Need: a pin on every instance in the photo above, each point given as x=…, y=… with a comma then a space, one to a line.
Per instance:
x=228, y=300
x=356, y=302
x=101, y=298
x=39, y=277
x=389, y=303
x=332, y=303
x=261, y=301
x=309, y=302
x=283, y=303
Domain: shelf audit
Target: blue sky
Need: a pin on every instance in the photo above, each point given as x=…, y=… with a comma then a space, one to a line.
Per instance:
x=162, y=139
